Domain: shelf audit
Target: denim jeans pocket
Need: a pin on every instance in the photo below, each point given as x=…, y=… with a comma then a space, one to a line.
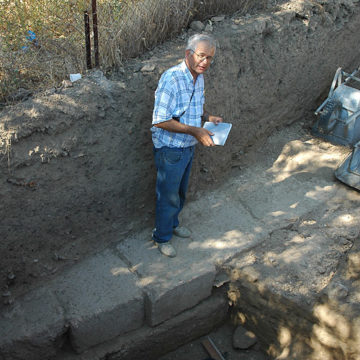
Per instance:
x=173, y=156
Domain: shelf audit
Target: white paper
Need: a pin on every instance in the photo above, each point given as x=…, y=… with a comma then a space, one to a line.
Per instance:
x=220, y=131
x=74, y=77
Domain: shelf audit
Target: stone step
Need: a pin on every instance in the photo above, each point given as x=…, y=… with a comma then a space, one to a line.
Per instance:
x=101, y=300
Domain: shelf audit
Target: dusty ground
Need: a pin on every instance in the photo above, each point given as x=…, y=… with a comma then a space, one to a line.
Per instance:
x=76, y=166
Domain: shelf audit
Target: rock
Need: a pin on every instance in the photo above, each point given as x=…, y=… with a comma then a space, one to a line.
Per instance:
x=352, y=235
x=66, y=84
x=218, y=18
x=209, y=27
x=344, y=241
x=148, y=68
x=8, y=301
x=273, y=261
x=197, y=26
x=58, y=257
x=243, y=339
x=50, y=92
x=121, y=84
x=221, y=279
x=11, y=278
x=137, y=67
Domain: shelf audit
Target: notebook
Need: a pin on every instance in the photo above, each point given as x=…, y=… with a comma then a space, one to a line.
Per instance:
x=220, y=131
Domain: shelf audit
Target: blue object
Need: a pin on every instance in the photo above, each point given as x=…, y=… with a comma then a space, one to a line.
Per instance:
x=173, y=170
x=31, y=37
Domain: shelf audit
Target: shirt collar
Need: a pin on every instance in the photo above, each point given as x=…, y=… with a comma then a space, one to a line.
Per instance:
x=188, y=74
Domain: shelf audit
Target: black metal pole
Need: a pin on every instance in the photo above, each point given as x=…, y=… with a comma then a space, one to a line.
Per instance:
x=87, y=39
x=95, y=30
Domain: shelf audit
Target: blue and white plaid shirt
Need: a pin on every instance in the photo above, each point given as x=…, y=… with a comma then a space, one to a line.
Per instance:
x=172, y=98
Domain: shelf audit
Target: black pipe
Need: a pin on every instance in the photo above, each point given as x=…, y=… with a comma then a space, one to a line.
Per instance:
x=87, y=39
x=95, y=30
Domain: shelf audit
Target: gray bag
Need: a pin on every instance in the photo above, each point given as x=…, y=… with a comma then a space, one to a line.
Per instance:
x=339, y=114
x=349, y=171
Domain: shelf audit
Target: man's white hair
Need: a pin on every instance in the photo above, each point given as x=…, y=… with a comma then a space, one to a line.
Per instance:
x=194, y=40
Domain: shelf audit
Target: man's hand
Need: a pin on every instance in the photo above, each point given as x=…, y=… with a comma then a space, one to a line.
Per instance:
x=215, y=119
x=203, y=136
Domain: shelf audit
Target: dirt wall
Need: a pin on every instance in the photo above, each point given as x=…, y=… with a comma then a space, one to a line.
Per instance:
x=77, y=169
x=274, y=69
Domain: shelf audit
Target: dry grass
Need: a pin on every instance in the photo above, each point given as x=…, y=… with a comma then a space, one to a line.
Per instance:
x=126, y=29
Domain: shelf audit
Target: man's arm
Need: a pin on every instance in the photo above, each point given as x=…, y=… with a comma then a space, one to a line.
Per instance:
x=201, y=134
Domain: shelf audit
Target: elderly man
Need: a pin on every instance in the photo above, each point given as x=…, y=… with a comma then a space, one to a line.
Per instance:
x=177, y=116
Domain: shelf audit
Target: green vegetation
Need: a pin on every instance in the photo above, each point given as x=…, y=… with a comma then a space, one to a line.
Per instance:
x=126, y=29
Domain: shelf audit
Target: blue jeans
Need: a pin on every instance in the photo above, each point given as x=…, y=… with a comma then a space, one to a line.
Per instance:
x=173, y=169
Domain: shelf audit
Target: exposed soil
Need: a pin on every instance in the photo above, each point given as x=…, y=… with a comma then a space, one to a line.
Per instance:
x=76, y=170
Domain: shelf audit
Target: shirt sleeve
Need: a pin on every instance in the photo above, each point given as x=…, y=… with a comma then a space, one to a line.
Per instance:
x=165, y=101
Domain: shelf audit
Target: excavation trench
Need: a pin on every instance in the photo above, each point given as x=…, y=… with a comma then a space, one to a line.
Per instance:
x=78, y=181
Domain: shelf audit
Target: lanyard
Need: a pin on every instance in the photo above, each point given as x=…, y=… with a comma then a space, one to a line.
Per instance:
x=177, y=118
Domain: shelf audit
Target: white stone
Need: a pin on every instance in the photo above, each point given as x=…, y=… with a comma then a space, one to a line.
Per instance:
x=218, y=18
x=148, y=68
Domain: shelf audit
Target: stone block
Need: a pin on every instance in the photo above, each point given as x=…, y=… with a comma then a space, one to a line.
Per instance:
x=33, y=328
x=152, y=342
x=171, y=285
x=164, y=302
x=101, y=299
